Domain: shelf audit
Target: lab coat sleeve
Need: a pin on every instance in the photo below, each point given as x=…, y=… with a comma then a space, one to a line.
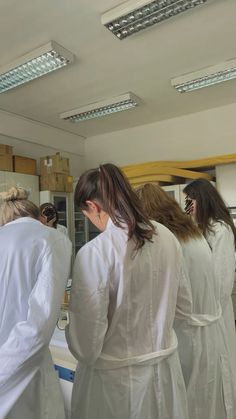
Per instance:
x=22, y=352
x=221, y=242
x=88, y=305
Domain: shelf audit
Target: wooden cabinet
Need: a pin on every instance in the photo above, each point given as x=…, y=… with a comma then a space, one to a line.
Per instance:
x=28, y=182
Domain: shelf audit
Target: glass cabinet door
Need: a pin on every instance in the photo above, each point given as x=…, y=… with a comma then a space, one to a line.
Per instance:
x=60, y=203
x=84, y=230
x=92, y=230
x=81, y=236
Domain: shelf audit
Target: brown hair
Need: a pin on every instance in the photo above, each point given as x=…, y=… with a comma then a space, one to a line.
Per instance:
x=15, y=204
x=109, y=187
x=209, y=205
x=160, y=207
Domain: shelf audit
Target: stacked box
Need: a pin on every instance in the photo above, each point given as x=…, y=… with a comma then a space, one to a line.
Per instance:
x=6, y=162
x=54, y=164
x=56, y=182
x=24, y=165
x=55, y=175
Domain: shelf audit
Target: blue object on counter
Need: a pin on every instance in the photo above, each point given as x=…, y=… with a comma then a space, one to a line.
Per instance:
x=65, y=373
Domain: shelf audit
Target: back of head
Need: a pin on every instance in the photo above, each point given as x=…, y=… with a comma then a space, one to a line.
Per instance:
x=162, y=208
x=209, y=205
x=15, y=204
x=49, y=214
x=108, y=186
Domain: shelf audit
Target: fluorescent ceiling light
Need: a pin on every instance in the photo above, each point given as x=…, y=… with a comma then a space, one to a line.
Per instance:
x=136, y=15
x=206, y=77
x=106, y=107
x=43, y=60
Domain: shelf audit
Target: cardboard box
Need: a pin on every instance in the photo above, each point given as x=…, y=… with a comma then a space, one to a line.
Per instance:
x=54, y=164
x=69, y=183
x=6, y=162
x=5, y=149
x=56, y=182
x=24, y=165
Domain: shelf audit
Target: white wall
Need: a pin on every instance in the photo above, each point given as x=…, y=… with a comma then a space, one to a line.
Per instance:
x=35, y=151
x=32, y=139
x=225, y=183
x=199, y=135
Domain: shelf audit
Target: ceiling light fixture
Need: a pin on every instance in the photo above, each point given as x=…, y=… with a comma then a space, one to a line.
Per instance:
x=103, y=108
x=205, y=77
x=43, y=60
x=136, y=15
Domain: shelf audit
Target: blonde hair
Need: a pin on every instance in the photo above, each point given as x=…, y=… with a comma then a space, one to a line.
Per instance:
x=159, y=206
x=15, y=204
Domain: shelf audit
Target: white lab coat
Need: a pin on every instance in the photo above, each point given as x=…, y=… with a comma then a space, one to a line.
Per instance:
x=221, y=242
x=34, y=268
x=203, y=353
x=121, y=328
x=62, y=229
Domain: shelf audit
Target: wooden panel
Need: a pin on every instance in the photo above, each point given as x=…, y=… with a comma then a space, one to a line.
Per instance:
x=153, y=178
x=137, y=171
x=206, y=163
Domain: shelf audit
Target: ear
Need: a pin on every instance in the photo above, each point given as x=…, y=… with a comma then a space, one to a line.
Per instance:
x=93, y=206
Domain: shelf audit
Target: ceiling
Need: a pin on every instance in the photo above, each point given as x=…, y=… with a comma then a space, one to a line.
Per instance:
x=106, y=67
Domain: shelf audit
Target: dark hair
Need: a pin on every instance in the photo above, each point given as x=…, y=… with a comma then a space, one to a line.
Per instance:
x=209, y=205
x=161, y=207
x=109, y=187
x=49, y=211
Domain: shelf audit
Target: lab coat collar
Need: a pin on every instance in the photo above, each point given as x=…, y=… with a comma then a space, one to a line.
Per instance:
x=109, y=223
x=23, y=220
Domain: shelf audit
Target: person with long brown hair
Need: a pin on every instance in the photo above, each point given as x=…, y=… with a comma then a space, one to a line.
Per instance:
x=124, y=294
x=35, y=265
x=209, y=211
x=201, y=334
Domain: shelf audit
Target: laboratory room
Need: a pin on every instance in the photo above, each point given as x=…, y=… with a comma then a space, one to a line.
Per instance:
x=118, y=209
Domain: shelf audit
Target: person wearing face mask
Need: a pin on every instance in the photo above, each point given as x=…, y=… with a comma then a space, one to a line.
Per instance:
x=49, y=216
x=202, y=333
x=126, y=285
x=206, y=206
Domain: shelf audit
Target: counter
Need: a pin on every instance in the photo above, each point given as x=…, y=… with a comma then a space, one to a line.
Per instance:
x=65, y=364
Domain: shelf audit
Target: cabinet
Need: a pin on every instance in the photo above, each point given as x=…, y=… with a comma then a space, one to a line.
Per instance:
x=28, y=182
x=176, y=192
x=84, y=230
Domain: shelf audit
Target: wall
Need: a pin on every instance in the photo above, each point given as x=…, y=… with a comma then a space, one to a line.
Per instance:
x=32, y=139
x=225, y=183
x=193, y=136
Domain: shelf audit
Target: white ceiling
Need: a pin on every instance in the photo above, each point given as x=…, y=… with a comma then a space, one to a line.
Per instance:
x=106, y=67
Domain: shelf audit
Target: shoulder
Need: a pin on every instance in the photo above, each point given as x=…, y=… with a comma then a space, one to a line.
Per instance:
x=62, y=229
x=164, y=238
x=163, y=231
x=220, y=228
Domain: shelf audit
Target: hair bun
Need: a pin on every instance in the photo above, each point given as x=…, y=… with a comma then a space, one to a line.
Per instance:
x=14, y=194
